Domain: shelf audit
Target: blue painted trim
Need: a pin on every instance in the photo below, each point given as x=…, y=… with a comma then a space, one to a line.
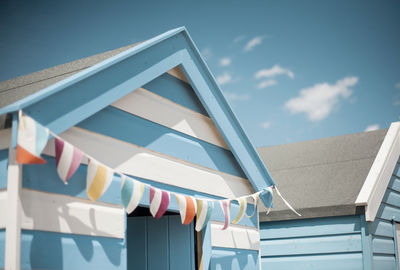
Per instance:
x=14, y=130
x=61, y=85
x=396, y=250
x=50, y=250
x=2, y=248
x=206, y=246
x=366, y=243
x=126, y=127
x=177, y=91
x=3, y=168
x=110, y=80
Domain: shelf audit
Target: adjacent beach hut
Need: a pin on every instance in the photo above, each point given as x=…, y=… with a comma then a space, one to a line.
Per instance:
x=347, y=189
x=153, y=112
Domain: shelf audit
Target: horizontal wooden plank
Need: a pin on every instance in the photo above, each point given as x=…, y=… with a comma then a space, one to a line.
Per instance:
x=382, y=262
x=311, y=245
x=237, y=237
x=310, y=227
x=59, y=213
x=392, y=197
x=381, y=227
x=49, y=250
x=3, y=168
x=351, y=261
x=388, y=212
x=239, y=259
x=5, y=138
x=3, y=209
x=177, y=91
x=138, y=161
x=130, y=128
x=396, y=170
x=382, y=245
x=155, y=108
x=177, y=72
x=394, y=183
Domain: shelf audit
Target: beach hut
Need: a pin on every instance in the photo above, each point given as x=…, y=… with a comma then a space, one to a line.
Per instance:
x=347, y=189
x=148, y=120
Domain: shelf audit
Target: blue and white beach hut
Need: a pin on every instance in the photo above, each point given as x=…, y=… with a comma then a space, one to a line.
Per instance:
x=153, y=112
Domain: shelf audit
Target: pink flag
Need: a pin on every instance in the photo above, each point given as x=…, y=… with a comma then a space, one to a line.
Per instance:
x=68, y=159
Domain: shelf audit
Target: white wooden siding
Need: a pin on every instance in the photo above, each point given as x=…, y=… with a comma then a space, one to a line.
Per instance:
x=236, y=236
x=157, y=109
x=141, y=162
x=59, y=213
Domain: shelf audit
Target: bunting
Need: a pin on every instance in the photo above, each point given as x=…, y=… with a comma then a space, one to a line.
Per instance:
x=68, y=159
x=204, y=211
x=159, y=201
x=242, y=209
x=32, y=138
x=187, y=208
x=98, y=179
x=131, y=193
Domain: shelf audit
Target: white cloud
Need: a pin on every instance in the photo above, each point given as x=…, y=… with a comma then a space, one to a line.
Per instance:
x=224, y=78
x=206, y=53
x=239, y=38
x=253, y=43
x=318, y=101
x=372, y=127
x=266, y=83
x=274, y=71
x=224, y=62
x=265, y=125
x=236, y=97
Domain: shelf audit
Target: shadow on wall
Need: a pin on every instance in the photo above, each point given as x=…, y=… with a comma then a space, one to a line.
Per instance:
x=48, y=250
x=223, y=258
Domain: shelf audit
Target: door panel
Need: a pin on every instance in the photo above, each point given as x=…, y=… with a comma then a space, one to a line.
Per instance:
x=163, y=244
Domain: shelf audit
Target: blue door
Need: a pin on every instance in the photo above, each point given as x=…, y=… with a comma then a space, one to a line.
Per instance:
x=163, y=244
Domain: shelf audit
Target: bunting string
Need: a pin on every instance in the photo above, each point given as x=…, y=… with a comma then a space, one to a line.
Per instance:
x=33, y=137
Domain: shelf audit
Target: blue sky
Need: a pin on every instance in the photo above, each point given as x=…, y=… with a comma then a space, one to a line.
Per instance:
x=292, y=70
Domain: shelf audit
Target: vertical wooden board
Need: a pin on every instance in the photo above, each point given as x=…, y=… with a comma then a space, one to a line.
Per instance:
x=48, y=250
x=181, y=246
x=157, y=240
x=3, y=168
x=136, y=237
x=2, y=247
x=234, y=259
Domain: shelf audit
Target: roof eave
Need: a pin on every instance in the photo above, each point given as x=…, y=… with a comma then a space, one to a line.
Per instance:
x=374, y=187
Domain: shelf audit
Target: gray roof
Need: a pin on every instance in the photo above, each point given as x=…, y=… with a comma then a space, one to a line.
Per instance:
x=321, y=177
x=20, y=87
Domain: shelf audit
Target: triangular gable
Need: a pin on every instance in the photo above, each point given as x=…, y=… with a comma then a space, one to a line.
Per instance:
x=68, y=102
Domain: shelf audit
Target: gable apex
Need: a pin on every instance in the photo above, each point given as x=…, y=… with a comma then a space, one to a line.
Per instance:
x=64, y=104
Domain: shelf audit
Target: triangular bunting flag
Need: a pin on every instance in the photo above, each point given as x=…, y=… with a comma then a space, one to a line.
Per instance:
x=159, y=201
x=187, y=208
x=98, y=179
x=226, y=209
x=32, y=138
x=131, y=193
x=68, y=159
x=204, y=211
x=242, y=209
